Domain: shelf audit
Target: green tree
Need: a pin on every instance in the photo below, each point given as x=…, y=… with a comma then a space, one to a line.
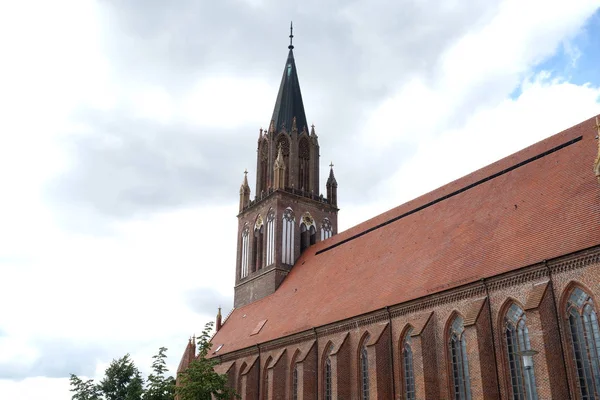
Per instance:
x=84, y=390
x=159, y=386
x=199, y=381
x=122, y=381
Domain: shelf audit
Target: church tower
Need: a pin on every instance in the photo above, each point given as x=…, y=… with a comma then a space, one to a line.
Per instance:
x=288, y=213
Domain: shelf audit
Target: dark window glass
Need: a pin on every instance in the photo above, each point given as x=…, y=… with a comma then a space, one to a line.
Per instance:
x=328, y=383
x=407, y=365
x=459, y=362
x=364, y=367
x=517, y=340
x=585, y=342
x=295, y=383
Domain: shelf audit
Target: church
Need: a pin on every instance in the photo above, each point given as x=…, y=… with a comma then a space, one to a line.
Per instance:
x=485, y=288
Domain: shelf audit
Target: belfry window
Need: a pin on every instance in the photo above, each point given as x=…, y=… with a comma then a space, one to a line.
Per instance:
x=408, y=384
x=258, y=244
x=364, y=369
x=585, y=342
x=304, y=167
x=263, y=167
x=458, y=360
x=287, y=237
x=270, y=257
x=517, y=341
x=326, y=229
x=245, y=249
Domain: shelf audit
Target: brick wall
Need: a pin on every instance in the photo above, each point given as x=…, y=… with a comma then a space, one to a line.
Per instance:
x=540, y=290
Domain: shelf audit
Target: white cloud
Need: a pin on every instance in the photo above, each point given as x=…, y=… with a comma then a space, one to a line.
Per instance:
x=80, y=287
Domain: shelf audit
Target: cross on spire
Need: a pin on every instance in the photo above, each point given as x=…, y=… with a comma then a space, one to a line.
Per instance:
x=291, y=46
x=331, y=165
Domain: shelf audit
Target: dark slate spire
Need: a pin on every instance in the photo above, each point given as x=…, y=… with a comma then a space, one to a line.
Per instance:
x=289, y=99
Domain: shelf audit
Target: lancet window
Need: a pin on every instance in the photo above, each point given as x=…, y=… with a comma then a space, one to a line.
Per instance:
x=364, y=369
x=263, y=167
x=304, y=168
x=283, y=141
x=258, y=244
x=287, y=237
x=328, y=378
x=458, y=360
x=245, y=250
x=270, y=257
x=585, y=342
x=326, y=230
x=408, y=375
x=516, y=335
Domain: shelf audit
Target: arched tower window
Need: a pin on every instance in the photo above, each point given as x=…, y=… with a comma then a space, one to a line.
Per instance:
x=258, y=244
x=326, y=230
x=287, y=237
x=457, y=346
x=263, y=167
x=308, y=233
x=270, y=258
x=304, y=170
x=283, y=141
x=516, y=336
x=408, y=375
x=245, y=250
x=327, y=372
x=585, y=342
x=364, y=369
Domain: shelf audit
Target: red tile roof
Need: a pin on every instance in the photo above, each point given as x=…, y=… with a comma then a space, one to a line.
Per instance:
x=539, y=203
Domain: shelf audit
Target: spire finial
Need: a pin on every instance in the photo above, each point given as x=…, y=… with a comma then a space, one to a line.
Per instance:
x=291, y=46
x=331, y=165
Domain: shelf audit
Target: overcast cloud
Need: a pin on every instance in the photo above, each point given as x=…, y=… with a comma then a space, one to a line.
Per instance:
x=126, y=127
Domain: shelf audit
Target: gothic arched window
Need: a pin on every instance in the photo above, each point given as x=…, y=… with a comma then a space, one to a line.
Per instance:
x=287, y=237
x=245, y=249
x=326, y=229
x=457, y=346
x=270, y=258
x=408, y=375
x=585, y=342
x=517, y=340
x=308, y=233
x=264, y=166
x=266, y=380
x=295, y=383
x=327, y=372
x=364, y=369
x=304, y=170
x=258, y=244
x=283, y=141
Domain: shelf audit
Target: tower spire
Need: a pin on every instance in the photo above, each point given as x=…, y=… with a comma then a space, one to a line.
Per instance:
x=289, y=98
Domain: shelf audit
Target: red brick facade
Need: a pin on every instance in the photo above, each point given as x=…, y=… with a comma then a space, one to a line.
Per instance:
x=472, y=276
x=540, y=289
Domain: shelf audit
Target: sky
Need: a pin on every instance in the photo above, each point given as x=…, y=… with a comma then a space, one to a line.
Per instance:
x=125, y=128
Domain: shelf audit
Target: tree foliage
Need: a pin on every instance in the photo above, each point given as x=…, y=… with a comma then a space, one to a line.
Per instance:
x=159, y=386
x=123, y=381
x=200, y=381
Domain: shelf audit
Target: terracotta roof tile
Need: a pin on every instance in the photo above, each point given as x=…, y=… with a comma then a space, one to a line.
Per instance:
x=537, y=204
